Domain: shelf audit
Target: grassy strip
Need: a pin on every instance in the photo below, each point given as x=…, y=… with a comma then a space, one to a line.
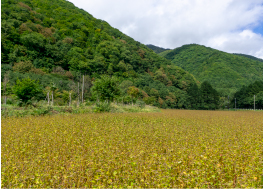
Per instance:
x=15, y=111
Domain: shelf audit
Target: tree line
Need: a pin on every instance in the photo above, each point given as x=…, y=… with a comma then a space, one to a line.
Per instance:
x=108, y=89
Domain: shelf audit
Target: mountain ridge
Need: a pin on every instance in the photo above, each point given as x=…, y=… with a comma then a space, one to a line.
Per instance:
x=156, y=49
x=226, y=72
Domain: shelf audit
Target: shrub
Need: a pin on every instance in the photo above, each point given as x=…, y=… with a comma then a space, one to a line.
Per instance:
x=23, y=67
x=106, y=88
x=26, y=90
x=140, y=103
x=102, y=107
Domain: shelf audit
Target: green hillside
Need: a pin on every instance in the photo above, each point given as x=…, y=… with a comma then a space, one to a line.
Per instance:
x=157, y=49
x=226, y=72
x=54, y=42
x=249, y=56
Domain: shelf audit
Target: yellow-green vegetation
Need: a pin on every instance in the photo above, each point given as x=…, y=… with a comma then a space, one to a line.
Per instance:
x=174, y=148
x=13, y=111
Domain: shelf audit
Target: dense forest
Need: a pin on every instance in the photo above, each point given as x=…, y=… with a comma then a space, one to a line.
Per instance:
x=249, y=56
x=244, y=98
x=55, y=43
x=52, y=47
x=226, y=72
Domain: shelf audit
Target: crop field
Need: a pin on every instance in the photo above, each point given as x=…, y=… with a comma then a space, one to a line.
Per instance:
x=175, y=148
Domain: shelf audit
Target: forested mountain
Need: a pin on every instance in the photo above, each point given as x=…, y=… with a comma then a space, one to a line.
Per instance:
x=249, y=56
x=226, y=72
x=157, y=49
x=54, y=42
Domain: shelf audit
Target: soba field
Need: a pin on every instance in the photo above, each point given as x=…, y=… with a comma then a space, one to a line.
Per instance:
x=174, y=148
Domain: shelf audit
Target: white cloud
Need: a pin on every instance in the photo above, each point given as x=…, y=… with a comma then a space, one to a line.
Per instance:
x=223, y=24
x=245, y=42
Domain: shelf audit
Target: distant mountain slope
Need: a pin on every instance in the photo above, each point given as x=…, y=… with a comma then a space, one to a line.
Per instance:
x=249, y=56
x=157, y=49
x=226, y=72
x=164, y=53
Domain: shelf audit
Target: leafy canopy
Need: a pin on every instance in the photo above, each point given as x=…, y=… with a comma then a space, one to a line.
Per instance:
x=106, y=88
x=26, y=89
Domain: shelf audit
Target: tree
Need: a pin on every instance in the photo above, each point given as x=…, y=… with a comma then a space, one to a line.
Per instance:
x=259, y=100
x=125, y=85
x=23, y=67
x=134, y=92
x=106, y=88
x=26, y=90
x=194, y=96
x=210, y=96
x=34, y=41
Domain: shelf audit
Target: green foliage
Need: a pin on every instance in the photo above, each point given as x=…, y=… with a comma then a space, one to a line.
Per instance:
x=140, y=103
x=26, y=90
x=133, y=91
x=106, y=88
x=157, y=49
x=56, y=42
x=245, y=96
x=249, y=56
x=203, y=98
x=102, y=107
x=226, y=72
x=209, y=96
x=33, y=41
x=23, y=67
x=5, y=68
x=125, y=85
x=194, y=96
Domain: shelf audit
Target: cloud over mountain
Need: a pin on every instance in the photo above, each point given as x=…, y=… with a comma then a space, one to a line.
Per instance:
x=227, y=25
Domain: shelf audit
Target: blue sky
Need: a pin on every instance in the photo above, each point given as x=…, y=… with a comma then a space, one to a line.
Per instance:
x=234, y=26
x=259, y=29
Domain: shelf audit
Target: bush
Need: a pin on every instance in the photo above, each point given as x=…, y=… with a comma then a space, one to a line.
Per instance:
x=60, y=102
x=102, y=107
x=140, y=103
x=23, y=67
x=106, y=88
x=42, y=111
x=26, y=90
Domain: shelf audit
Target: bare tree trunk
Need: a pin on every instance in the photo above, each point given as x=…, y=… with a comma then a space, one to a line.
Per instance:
x=6, y=80
x=69, y=99
x=82, y=96
x=48, y=100
x=78, y=95
x=5, y=89
x=52, y=96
